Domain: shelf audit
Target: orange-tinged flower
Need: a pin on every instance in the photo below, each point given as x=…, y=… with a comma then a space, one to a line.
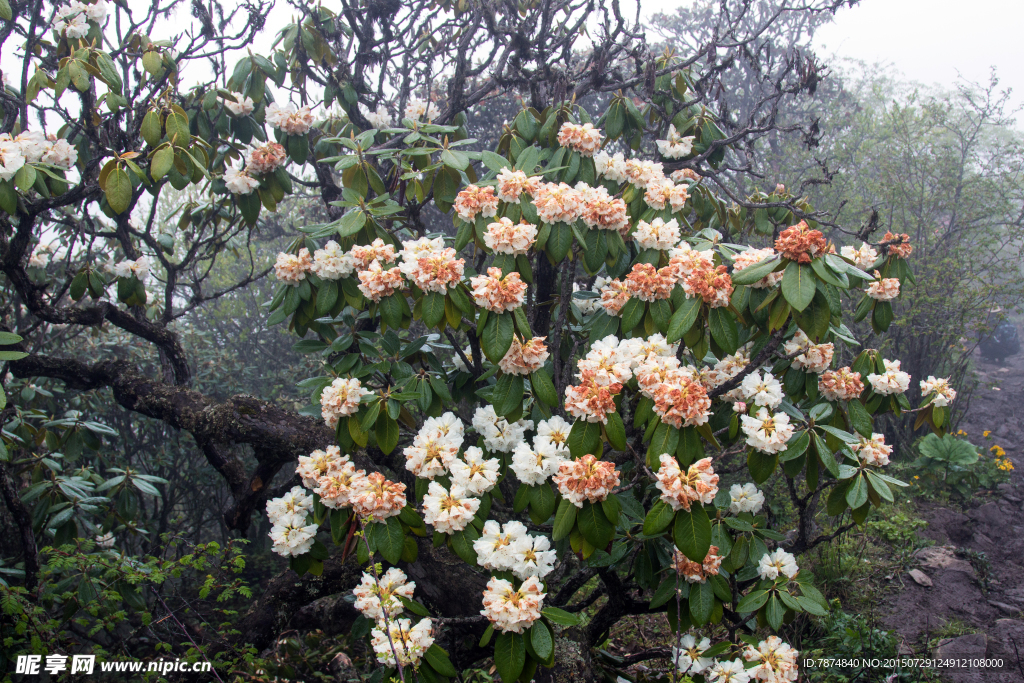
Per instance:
x=713, y=285
x=498, y=294
x=476, y=200
x=586, y=479
x=800, y=243
x=680, y=400
x=697, y=572
x=378, y=498
x=647, y=283
x=901, y=247
x=524, y=358
x=590, y=400
x=584, y=139
x=614, y=296
x=699, y=484
x=843, y=384
x=376, y=283
x=365, y=254
x=291, y=269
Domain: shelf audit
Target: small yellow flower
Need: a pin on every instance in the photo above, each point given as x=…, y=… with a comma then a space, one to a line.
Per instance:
x=961, y=432
x=986, y=433
x=916, y=477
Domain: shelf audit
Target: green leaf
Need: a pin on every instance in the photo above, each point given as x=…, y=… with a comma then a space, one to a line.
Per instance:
x=584, y=438
x=658, y=519
x=723, y=329
x=432, y=309
x=683, y=319
x=826, y=456
x=857, y=494
x=389, y=538
x=860, y=418
x=665, y=591
x=752, y=602
x=702, y=601
x=462, y=544
x=503, y=329
x=565, y=520
x=542, y=639
x=632, y=313
x=5, y=11
x=756, y=272
x=543, y=388
x=509, y=655
x=508, y=394
x=177, y=128
x=774, y=612
x=798, y=285
x=560, y=616
x=439, y=661
x=692, y=532
x=351, y=223
x=761, y=465
x=8, y=338
x=118, y=189
x=594, y=526
x=390, y=308
x=948, y=449
x=387, y=433
x=664, y=442
x=616, y=432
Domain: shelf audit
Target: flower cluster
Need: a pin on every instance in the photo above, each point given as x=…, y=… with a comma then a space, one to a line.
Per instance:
x=602, y=211
x=883, y=288
x=376, y=283
x=399, y=636
x=675, y=145
x=873, y=451
x=378, y=118
x=699, y=484
x=241, y=105
x=340, y=398
x=762, y=389
x=697, y=572
x=430, y=265
x=767, y=432
x=746, y=498
x=72, y=19
x=505, y=237
x=535, y=465
x=586, y=479
x=447, y=510
x=365, y=254
x=892, y=381
x=843, y=384
x=800, y=243
x=814, y=358
x=498, y=433
x=266, y=159
x=584, y=139
x=513, y=609
x=614, y=295
x=863, y=258
x=496, y=293
x=417, y=109
x=776, y=661
x=944, y=393
x=289, y=531
x=522, y=358
x=475, y=200
x=378, y=498
x=238, y=181
x=657, y=234
x=291, y=269
x=474, y=473
x=139, y=268
x=680, y=399
x=435, y=447
x=373, y=601
x=332, y=263
x=777, y=563
x=753, y=256
x=647, y=283
x=31, y=147
x=713, y=285
x=557, y=203
x=898, y=245
x=512, y=184
x=662, y=193
x=510, y=548
x=288, y=119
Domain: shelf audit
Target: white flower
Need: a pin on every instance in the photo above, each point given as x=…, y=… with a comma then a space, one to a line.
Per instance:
x=676, y=145
x=494, y=549
x=873, y=451
x=380, y=118
x=296, y=501
x=510, y=609
x=731, y=671
x=291, y=535
x=474, y=473
x=767, y=432
x=863, y=258
x=341, y=398
x=241, y=106
x=61, y=153
x=40, y=257
x=319, y=463
x=746, y=498
x=332, y=262
x=689, y=656
x=409, y=642
x=764, y=390
x=776, y=661
x=33, y=145
x=944, y=394
x=534, y=466
x=448, y=511
x=289, y=119
x=612, y=168
x=892, y=381
x=555, y=431
x=75, y=26
x=239, y=181
x=418, y=108
x=393, y=583
x=609, y=363
x=97, y=11
x=139, y=268
x=11, y=157
x=532, y=556
x=776, y=563
x=657, y=234
x=498, y=434
x=457, y=359
x=431, y=452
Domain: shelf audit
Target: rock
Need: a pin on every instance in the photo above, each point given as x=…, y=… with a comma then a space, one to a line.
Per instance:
x=1004, y=608
x=970, y=646
x=920, y=577
x=943, y=557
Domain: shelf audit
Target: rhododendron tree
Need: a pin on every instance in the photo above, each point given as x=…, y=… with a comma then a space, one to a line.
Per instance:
x=574, y=354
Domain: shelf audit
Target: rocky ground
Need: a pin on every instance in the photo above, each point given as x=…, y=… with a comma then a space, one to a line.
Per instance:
x=950, y=587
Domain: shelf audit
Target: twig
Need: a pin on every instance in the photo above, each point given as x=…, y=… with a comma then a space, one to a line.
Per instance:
x=187, y=635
